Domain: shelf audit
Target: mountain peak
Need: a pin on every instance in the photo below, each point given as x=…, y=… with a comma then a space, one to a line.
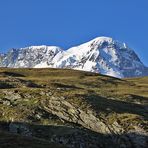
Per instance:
x=101, y=55
x=103, y=38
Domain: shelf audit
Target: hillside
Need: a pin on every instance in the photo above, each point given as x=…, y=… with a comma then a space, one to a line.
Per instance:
x=70, y=108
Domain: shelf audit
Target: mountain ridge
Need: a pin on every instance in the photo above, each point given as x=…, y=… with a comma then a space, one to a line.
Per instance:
x=101, y=55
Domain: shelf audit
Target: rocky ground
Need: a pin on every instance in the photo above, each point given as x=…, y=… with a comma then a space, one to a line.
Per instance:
x=75, y=109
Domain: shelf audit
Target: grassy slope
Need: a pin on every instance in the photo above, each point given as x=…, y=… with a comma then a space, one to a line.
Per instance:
x=8, y=140
x=121, y=100
x=102, y=91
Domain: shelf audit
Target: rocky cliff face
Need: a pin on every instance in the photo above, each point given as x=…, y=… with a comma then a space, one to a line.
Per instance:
x=101, y=55
x=2, y=56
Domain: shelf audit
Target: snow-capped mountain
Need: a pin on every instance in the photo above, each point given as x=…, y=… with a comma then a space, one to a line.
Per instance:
x=102, y=55
x=31, y=56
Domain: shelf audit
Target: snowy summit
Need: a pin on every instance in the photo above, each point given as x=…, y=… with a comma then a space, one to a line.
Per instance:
x=101, y=55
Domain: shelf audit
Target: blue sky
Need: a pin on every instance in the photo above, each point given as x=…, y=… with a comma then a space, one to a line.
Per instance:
x=66, y=23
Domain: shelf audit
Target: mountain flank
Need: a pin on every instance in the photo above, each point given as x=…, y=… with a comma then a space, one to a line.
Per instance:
x=102, y=55
x=71, y=108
